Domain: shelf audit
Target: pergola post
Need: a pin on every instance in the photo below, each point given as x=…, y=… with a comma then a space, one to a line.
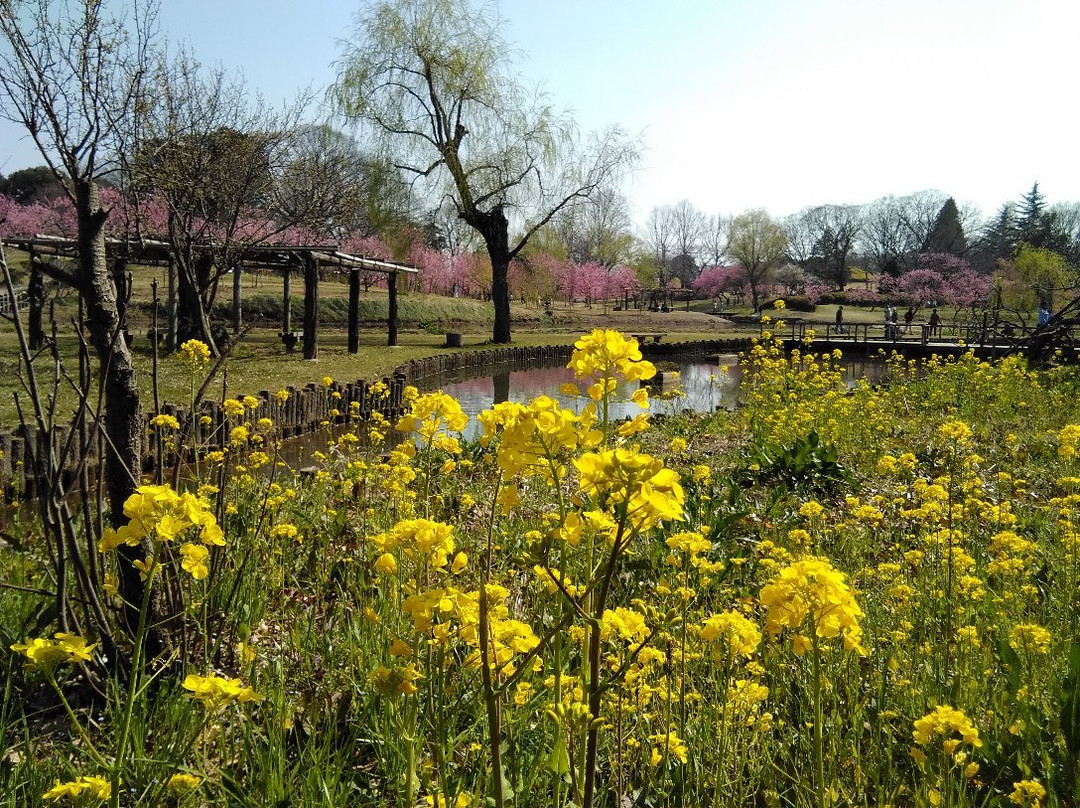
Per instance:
x=392, y=326
x=170, y=308
x=354, y=310
x=286, y=301
x=236, y=289
x=311, y=306
x=36, y=304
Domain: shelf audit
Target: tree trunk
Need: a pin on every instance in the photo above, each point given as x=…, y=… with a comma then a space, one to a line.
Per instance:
x=192, y=319
x=123, y=413
x=237, y=292
x=171, y=343
x=500, y=298
x=495, y=229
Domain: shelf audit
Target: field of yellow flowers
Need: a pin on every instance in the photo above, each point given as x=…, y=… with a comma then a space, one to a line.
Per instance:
x=836, y=595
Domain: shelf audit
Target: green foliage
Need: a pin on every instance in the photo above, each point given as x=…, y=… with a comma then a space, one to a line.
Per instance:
x=1033, y=277
x=806, y=464
x=792, y=303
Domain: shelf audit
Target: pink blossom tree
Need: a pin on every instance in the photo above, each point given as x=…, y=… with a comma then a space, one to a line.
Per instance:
x=968, y=289
x=717, y=281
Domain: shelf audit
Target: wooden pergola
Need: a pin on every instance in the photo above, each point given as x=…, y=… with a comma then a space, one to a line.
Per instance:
x=308, y=259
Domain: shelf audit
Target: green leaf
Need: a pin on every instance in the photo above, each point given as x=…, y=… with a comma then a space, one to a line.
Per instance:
x=559, y=761
x=1070, y=702
x=1010, y=664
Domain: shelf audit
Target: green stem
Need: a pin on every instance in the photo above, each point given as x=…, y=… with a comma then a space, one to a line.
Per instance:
x=490, y=700
x=133, y=684
x=819, y=750
x=98, y=758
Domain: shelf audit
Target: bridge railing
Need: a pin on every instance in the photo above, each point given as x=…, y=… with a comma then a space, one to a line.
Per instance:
x=989, y=335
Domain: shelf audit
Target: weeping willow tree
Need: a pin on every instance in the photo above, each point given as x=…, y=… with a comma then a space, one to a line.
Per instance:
x=432, y=80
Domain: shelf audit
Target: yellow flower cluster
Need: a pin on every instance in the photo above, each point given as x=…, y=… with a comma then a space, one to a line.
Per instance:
x=165, y=422
x=1030, y=638
x=194, y=354
x=1068, y=438
x=181, y=783
x=234, y=408
x=531, y=437
x=1028, y=793
x=626, y=624
x=739, y=634
x=43, y=653
x=649, y=492
x=421, y=539
x=81, y=792
x=605, y=356
x=159, y=511
x=811, y=592
x=955, y=432
x=216, y=691
x=945, y=721
x=392, y=681
x=430, y=413
x=667, y=745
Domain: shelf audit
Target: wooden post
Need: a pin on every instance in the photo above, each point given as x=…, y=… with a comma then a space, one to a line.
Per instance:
x=237, y=319
x=392, y=327
x=286, y=301
x=354, y=310
x=170, y=309
x=36, y=304
x=311, y=307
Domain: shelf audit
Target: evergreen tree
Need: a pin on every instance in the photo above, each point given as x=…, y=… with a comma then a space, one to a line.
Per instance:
x=947, y=234
x=997, y=241
x=1032, y=221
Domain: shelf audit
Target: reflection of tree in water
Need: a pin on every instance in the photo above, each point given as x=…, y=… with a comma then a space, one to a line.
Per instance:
x=500, y=383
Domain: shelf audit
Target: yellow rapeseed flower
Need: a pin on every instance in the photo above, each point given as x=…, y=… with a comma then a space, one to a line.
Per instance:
x=812, y=592
x=1028, y=793
x=944, y=721
x=82, y=791
x=194, y=354
x=216, y=692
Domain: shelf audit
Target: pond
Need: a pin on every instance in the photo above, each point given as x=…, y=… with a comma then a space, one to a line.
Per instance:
x=698, y=384
x=693, y=384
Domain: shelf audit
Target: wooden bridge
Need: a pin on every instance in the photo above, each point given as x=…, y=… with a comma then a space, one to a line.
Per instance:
x=1061, y=334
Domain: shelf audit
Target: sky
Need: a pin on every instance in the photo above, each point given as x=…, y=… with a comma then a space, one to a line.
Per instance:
x=738, y=104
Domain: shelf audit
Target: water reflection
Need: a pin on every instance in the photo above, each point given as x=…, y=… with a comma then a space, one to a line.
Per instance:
x=700, y=386
x=703, y=385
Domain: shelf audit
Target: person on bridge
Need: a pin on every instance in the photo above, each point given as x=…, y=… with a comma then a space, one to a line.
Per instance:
x=909, y=315
x=935, y=322
x=839, y=319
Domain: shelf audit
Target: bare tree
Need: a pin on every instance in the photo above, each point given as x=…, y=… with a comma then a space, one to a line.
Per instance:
x=714, y=240
x=231, y=171
x=73, y=74
x=839, y=227
x=688, y=231
x=598, y=231
x=660, y=236
x=801, y=234
x=432, y=79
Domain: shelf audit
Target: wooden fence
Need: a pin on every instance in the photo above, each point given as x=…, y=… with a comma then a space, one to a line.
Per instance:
x=307, y=409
